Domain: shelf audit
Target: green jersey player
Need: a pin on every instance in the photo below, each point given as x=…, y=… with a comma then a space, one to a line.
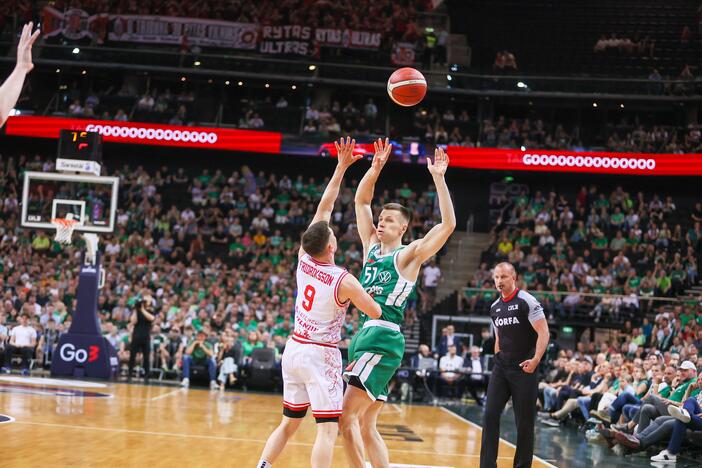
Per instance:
x=389, y=275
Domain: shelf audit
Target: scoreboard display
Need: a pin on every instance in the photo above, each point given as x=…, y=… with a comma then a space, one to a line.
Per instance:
x=80, y=144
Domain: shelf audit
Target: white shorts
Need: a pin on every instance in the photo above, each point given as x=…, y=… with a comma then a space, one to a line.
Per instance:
x=312, y=377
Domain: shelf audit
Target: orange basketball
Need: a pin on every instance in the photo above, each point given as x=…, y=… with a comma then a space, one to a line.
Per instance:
x=407, y=87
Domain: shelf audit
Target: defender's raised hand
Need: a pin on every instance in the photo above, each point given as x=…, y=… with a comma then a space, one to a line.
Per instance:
x=24, y=48
x=382, y=153
x=344, y=151
x=11, y=88
x=440, y=164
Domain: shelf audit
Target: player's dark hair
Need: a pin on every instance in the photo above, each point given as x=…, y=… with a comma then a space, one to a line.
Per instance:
x=406, y=213
x=316, y=238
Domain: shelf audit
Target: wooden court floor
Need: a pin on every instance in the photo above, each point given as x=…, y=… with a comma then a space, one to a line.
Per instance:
x=69, y=423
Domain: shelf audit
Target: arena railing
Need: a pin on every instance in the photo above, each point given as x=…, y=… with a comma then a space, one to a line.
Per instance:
x=305, y=70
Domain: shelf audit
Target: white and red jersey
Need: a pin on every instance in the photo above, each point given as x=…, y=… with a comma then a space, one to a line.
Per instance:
x=319, y=314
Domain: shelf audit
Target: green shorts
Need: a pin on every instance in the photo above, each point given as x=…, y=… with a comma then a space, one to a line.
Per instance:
x=377, y=353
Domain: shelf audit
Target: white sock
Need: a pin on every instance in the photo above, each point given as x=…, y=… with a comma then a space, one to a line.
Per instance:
x=263, y=464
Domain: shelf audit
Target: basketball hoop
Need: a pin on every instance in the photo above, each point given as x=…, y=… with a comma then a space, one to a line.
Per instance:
x=64, y=229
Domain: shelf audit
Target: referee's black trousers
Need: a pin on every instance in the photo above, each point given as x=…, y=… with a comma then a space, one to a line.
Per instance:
x=140, y=344
x=508, y=379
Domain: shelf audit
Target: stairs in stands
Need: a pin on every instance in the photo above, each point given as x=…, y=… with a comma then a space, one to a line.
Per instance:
x=411, y=338
x=460, y=261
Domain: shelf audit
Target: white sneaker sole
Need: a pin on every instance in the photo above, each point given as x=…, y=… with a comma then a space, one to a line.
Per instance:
x=653, y=459
x=680, y=414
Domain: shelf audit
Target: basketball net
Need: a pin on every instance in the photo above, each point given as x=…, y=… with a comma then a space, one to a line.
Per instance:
x=64, y=229
x=64, y=233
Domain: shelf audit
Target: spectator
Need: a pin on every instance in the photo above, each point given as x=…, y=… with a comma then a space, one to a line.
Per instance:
x=431, y=278
x=255, y=121
x=449, y=338
x=41, y=242
x=229, y=355
x=146, y=102
x=282, y=103
x=476, y=370
x=370, y=111
x=689, y=416
x=655, y=82
x=200, y=352
x=23, y=339
x=75, y=108
x=179, y=118
x=448, y=367
x=120, y=116
x=47, y=342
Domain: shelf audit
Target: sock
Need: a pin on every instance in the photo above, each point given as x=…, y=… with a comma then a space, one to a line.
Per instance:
x=263, y=464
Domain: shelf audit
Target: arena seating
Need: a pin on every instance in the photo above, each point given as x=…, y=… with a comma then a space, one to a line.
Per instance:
x=219, y=248
x=558, y=37
x=605, y=243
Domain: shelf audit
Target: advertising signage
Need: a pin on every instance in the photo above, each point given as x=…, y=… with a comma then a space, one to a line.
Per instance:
x=547, y=160
x=150, y=134
x=254, y=141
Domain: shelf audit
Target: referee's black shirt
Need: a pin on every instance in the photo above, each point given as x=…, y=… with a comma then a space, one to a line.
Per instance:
x=512, y=318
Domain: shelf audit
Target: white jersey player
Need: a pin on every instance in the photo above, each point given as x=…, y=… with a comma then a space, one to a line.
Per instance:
x=312, y=360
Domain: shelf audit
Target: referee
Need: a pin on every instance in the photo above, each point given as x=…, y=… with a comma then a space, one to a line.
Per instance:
x=521, y=339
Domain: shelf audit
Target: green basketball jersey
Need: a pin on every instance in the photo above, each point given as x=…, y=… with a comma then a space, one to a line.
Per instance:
x=381, y=279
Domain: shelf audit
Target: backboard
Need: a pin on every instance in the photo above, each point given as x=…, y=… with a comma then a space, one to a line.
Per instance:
x=92, y=200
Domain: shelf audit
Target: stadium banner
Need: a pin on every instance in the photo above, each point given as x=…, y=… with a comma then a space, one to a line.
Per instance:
x=402, y=53
x=72, y=25
x=149, y=134
x=348, y=39
x=76, y=24
x=146, y=29
x=654, y=164
x=287, y=39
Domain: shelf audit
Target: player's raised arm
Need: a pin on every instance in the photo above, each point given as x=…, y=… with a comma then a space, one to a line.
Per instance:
x=364, y=195
x=345, y=157
x=350, y=288
x=12, y=87
x=423, y=249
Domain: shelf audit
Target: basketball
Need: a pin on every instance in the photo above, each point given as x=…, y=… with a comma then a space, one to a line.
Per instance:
x=407, y=87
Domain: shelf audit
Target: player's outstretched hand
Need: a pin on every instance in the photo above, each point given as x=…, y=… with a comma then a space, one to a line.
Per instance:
x=382, y=153
x=24, y=49
x=440, y=164
x=344, y=151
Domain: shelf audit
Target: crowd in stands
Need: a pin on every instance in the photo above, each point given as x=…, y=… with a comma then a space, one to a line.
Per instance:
x=567, y=248
x=458, y=127
x=216, y=251
x=683, y=83
x=365, y=117
x=432, y=125
x=624, y=45
x=505, y=62
x=112, y=103
x=639, y=391
x=397, y=21
x=362, y=15
x=337, y=119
